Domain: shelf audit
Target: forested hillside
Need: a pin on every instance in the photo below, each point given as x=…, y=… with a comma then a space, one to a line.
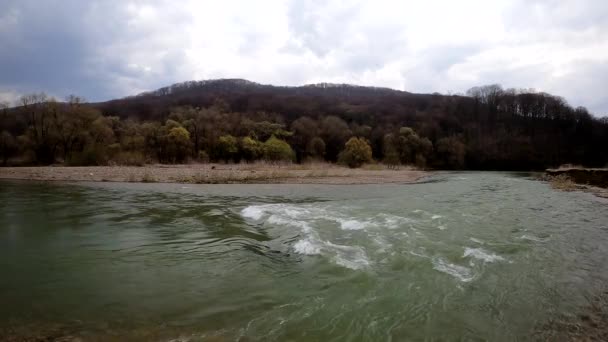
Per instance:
x=238, y=120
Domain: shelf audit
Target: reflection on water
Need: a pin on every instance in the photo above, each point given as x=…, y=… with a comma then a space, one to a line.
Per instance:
x=464, y=255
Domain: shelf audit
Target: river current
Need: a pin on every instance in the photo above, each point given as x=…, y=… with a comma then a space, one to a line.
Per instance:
x=460, y=256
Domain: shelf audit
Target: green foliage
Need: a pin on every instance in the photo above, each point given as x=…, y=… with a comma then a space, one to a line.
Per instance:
x=406, y=147
x=227, y=148
x=391, y=154
x=356, y=153
x=170, y=124
x=263, y=130
x=178, y=144
x=491, y=129
x=278, y=150
x=305, y=130
x=252, y=149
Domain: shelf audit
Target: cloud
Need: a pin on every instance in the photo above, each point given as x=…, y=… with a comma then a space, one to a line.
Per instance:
x=103, y=49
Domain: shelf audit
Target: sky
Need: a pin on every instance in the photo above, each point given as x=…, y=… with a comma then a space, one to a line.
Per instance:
x=104, y=49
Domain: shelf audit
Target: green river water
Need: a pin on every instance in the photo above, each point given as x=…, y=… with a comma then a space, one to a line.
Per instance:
x=462, y=256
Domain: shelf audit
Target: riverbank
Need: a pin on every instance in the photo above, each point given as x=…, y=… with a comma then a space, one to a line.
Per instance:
x=218, y=174
x=594, y=177
x=594, y=181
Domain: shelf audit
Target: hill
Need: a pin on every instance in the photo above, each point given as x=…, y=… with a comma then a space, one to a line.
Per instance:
x=231, y=119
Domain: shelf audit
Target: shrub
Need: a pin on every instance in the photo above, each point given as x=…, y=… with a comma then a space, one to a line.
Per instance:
x=252, y=149
x=278, y=150
x=316, y=148
x=227, y=147
x=356, y=152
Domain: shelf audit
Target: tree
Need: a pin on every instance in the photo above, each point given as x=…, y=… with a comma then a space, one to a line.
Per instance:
x=304, y=130
x=278, y=150
x=100, y=137
x=334, y=132
x=489, y=95
x=179, y=144
x=491, y=128
x=451, y=151
x=356, y=153
x=411, y=148
x=227, y=148
x=194, y=121
x=70, y=126
x=391, y=154
x=38, y=109
x=251, y=148
x=263, y=130
x=153, y=140
x=316, y=148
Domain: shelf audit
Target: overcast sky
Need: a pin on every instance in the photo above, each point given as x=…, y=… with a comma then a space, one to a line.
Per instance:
x=105, y=49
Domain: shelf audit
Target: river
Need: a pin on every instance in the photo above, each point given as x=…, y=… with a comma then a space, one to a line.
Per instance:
x=462, y=256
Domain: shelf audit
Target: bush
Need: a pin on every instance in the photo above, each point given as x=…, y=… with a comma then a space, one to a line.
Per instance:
x=278, y=150
x=227, y=148
x=316, y=148
x=356, y=152
x=252, y=149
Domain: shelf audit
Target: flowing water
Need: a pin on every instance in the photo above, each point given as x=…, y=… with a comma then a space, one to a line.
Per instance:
x=464, y=256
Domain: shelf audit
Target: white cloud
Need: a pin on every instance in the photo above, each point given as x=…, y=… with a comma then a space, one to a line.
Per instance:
x=9, y=97
x=124, y=47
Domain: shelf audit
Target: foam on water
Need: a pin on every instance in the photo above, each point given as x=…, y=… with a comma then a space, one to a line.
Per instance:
x=435, y=217
x=353, y=264
x=352, y=224
x=477, y=241
x=254, y=212
x=481, y=254
x=352, y=257
x=304, y=218
x=393, y=221
x=461, y=273
x=533, y=238
x=278, y=220
x=307, y=247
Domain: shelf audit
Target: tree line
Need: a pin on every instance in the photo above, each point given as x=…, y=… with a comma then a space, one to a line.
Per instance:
x=489, y=128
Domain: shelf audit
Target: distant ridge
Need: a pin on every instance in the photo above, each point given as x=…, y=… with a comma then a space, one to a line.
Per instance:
x=490, y=128
x=237, y=85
